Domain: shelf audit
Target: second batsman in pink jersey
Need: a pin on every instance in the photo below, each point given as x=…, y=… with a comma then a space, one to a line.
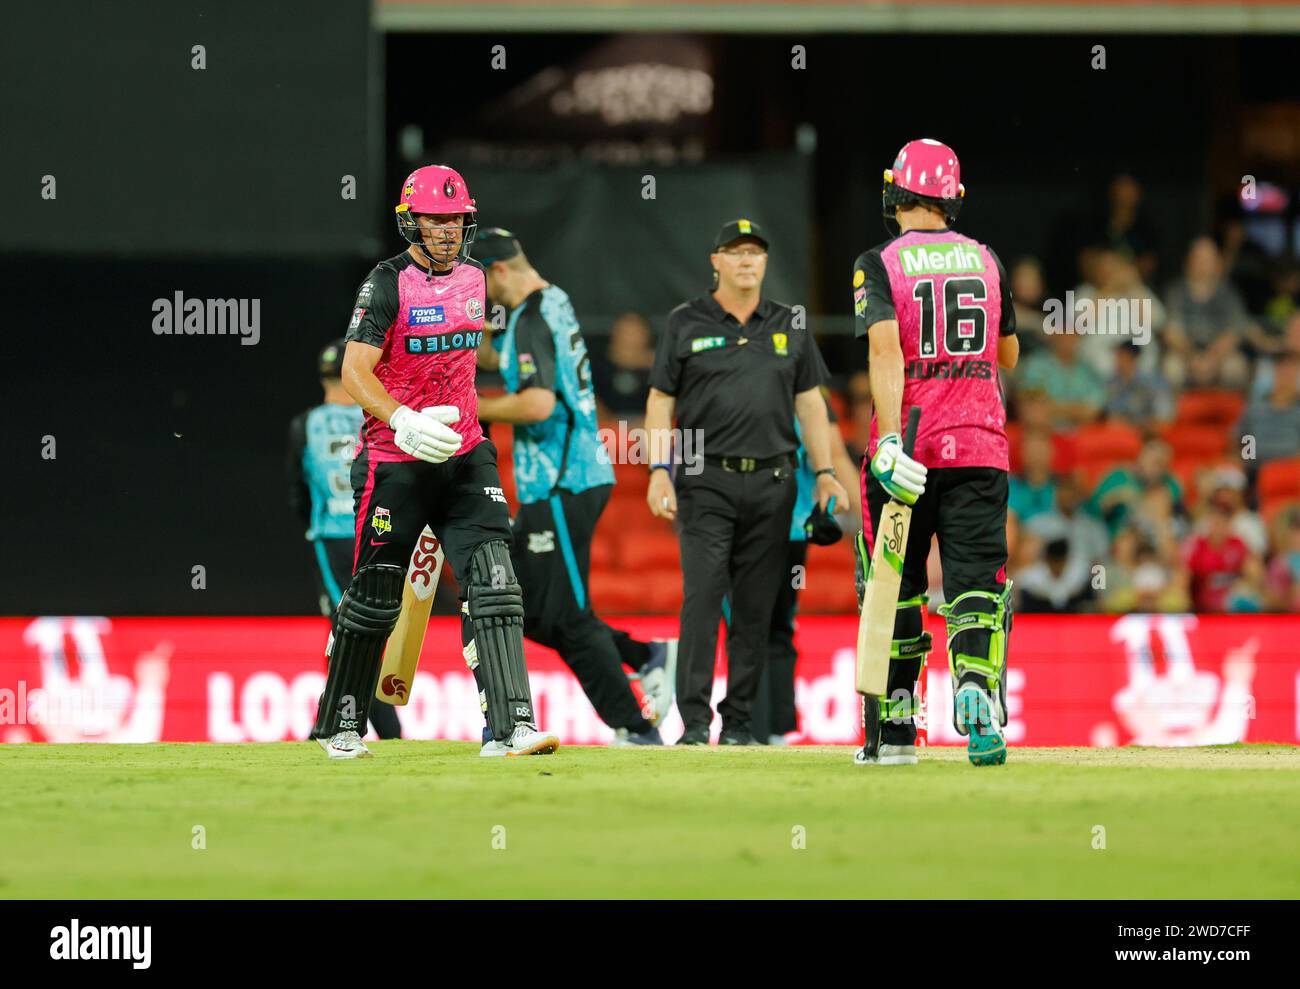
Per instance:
x=423, y=460
x=935, y=310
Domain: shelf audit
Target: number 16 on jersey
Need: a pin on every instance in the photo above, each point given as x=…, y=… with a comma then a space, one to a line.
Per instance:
x=880, y=599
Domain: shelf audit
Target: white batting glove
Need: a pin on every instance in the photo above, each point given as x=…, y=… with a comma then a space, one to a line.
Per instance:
x=899, y=474
x=422, y=436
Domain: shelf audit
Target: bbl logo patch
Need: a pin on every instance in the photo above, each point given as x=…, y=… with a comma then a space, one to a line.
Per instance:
x=425, y=315
x=474, y=309
x=381, y=521
x=743, y=226
x=527, y=365
x=779, y=344
x=409, y=191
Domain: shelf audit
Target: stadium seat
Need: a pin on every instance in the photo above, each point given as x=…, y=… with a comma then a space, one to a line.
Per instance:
x=1196, y=440
x=1107, y=442
x=661, y=591
x=1209, y=407
x=1015, y=432
x=617, y=593
x=651, y=550
x=1269, y=510
x=1279, y=479
x=604, y=550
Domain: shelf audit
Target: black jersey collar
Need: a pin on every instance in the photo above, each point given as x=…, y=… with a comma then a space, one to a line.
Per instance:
x=713, y=309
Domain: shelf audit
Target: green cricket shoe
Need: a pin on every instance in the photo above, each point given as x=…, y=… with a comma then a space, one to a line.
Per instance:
x=985, y=745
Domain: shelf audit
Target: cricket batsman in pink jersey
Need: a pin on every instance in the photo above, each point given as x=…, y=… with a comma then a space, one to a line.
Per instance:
x=935, y=309
x=410, y=364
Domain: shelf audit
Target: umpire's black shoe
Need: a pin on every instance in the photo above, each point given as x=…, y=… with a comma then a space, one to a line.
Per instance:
x=695, y=736
x=736, y=736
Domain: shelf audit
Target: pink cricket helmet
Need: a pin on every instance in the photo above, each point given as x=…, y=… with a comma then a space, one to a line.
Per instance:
x=924, y=171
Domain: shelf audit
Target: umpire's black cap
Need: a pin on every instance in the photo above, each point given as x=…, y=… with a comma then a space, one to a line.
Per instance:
x=737, y=229
x=330, y=360
x=495, y=244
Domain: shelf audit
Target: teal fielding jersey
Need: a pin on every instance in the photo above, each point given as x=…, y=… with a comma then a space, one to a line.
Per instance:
x=543, y=348
x=332, y=432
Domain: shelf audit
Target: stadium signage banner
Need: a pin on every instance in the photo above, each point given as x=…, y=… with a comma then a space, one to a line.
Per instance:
x=1094, y=680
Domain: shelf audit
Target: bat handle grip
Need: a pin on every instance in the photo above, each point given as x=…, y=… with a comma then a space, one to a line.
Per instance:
x=909, y=435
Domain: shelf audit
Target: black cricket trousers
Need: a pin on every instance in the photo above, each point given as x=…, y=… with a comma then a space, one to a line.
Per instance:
x=734, y=528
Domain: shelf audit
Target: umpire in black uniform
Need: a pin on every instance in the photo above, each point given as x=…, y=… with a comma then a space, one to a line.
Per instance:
x=735, y=371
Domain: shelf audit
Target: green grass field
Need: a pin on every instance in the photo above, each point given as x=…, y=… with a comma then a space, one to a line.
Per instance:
x=421, y=820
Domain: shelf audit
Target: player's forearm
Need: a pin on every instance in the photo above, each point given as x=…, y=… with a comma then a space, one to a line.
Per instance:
x=658, y=425
x=488, y=358
x=886, y=373
x=810, y=408
x=528, y=406
x=368, y=391
x=846, y=470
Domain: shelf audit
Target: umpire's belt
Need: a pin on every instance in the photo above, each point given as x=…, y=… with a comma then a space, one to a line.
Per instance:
x=747, y=465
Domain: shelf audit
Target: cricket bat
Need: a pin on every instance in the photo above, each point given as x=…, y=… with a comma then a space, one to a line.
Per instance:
x=402, y=654
x=880, y=599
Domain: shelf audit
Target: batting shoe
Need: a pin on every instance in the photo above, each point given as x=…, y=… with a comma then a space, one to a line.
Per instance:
x=887, y=755
x=526, y=739
x=658, y=678
x=344, y=745
x=973, y=712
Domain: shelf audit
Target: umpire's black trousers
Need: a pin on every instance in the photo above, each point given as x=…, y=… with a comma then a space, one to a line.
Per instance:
x=734, y=529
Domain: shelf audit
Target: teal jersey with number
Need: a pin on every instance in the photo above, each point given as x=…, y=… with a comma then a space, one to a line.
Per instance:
x=331, y=442
x=542, y=347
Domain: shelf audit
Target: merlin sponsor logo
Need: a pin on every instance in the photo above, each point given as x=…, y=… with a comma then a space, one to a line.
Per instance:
x=940, y=259
x=426, y=315
x=939, y=370
x=77, y=943
x=468, y=340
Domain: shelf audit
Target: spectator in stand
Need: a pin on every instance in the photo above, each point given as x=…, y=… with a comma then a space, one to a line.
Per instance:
x=1124, y=310
x=858, y=393
x=1284, y=568
x=1055, y=585
x=1141, y=398
x=1122, y=490
x=1285, y=302
x=1073, y=544
x=621, y=374
x=1075, y=391
x=1207, y=322
x=1289, y=341
x=1127, y=228
x=1227, y=485
x=1032, y=491
x=1216, y=559
x=1273, y=423
x=1142, y=583
x=1028, y=291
